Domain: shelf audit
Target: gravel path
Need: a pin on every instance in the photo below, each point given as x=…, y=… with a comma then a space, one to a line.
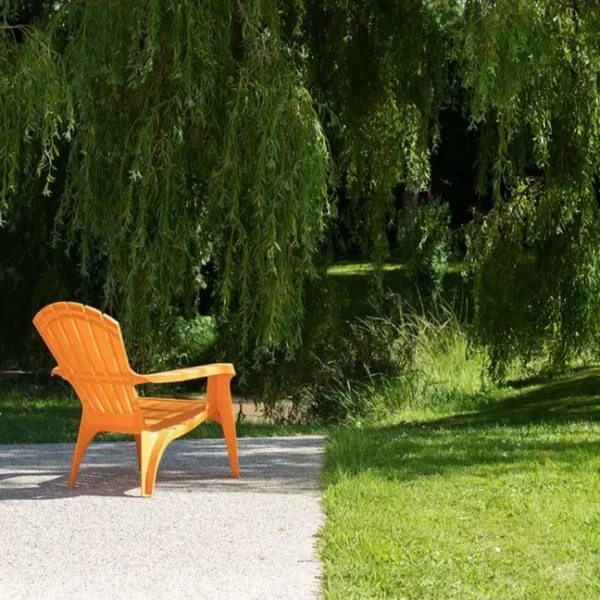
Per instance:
x=203, y=535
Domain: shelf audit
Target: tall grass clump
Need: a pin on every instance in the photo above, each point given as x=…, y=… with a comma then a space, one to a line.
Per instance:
x=336, y=354
x=400, y=357
x=444, y=373
x=448, y=372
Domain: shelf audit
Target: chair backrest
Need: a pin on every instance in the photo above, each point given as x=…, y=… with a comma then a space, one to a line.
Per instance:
x=89, y=349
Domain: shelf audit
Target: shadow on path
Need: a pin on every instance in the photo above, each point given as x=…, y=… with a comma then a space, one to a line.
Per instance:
x=268, y=465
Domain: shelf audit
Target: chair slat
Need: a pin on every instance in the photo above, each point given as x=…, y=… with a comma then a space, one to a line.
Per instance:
x=88, y=347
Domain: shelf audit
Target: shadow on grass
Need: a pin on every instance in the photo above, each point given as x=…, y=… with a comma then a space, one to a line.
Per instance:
x=574, y=397
x=558, y=421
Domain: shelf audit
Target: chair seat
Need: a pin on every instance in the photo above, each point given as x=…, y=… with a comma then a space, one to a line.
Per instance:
x=163, y=413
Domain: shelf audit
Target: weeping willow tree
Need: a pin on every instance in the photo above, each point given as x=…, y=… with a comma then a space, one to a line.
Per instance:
x=525, y=75
x=530, y=71
x=171, y=134
x=167, y=134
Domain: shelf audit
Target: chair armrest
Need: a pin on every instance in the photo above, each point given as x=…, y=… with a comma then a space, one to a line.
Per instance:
x=178, y=375
x=57, y=371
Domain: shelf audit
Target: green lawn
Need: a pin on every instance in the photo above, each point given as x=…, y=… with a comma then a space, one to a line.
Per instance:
x=501, y=503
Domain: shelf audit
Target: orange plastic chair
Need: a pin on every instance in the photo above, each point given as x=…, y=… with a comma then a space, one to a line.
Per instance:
x=89, y=349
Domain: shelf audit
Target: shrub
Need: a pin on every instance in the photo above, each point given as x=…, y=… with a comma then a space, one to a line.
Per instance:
x=186, y=342
x=333, y=353
x=370, y=368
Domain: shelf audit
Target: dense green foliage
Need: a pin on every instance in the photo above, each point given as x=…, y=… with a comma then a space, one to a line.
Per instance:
x=171, y=145
x=531, y=73
x=168, y=134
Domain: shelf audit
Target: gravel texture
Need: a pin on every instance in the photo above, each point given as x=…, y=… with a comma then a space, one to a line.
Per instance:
x=203, y=535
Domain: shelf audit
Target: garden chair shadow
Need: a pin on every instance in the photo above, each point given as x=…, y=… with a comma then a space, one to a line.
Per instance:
x=90, y=352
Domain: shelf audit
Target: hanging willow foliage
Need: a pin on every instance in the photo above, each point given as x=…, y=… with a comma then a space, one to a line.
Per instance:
x=530, y=70
x=168, y=134
x=185, y=134
x=382, y=68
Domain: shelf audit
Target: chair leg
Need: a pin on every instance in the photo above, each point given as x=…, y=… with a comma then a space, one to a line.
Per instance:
x=138, y=450
x=152, y=446
x=227, y=420
x=86, y=435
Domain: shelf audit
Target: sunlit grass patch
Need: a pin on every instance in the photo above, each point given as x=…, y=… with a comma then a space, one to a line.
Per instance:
x=499, y=503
